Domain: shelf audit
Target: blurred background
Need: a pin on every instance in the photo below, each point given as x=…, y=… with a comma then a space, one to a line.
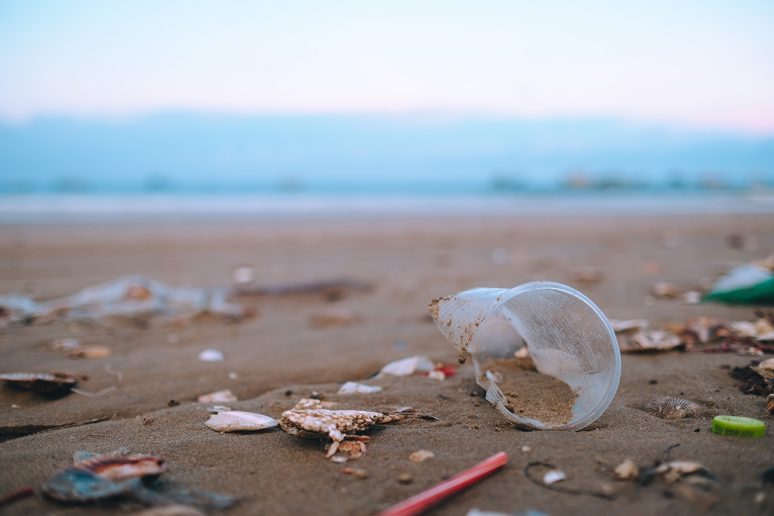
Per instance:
x=132, y=108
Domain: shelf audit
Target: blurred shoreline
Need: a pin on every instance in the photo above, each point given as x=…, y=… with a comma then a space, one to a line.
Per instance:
x=88, y=208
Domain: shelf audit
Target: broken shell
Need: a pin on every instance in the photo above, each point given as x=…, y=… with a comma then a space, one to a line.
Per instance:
x=355, y=472
x=408, y=366
x=358, y=388
x=765, y=369
x=627, y=470
x=224, y=396
x=238, y=421
x=348, y=449
x=307, y=417
x=654, y=340
x=211, y=355
x=630, y=325
x=43, y=383
x=665, y=290
x=333, y=317
x=123, y=467
x=554, y=476
x=421, y=455
x=669, y=407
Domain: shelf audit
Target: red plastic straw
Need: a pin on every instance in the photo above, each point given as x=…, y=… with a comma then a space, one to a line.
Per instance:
x=426, y=499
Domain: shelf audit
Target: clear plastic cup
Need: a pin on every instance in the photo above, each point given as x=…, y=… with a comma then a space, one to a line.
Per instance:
x=566, y=334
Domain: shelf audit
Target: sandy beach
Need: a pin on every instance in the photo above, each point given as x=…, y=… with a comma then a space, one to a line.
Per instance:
x=279, y=356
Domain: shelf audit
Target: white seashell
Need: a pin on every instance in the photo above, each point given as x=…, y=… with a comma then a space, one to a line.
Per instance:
x=654, y=340
x=408, y=366
x=211, y=355
x=358, y=388
x=421, y=455
x=225, y=396
x=554, y=476
x=627, y=470
x=236, y=420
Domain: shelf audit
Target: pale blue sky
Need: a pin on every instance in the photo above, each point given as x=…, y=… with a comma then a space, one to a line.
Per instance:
x=695, y=63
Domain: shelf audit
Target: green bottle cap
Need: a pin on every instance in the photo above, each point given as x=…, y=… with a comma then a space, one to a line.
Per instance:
x=738, y=426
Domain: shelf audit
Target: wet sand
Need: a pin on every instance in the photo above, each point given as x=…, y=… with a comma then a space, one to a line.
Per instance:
x=279, y=351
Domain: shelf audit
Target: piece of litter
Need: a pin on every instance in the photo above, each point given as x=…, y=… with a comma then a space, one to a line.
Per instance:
x=554, y=476
x=211, y=355
x=426, y=499
x=408, y=366
x=738, y=426
x=237, y=420
x=358, y=388
x=627, y=470
x=224, y=396
x=421, y=455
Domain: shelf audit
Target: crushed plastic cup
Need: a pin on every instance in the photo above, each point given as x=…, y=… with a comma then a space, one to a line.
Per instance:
x=566, y=334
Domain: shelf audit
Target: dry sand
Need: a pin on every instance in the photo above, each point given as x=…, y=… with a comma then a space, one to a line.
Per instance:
x=277, y=357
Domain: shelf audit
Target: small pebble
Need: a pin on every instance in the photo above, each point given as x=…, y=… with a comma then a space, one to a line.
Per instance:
x=405, y=478
x=526, y=449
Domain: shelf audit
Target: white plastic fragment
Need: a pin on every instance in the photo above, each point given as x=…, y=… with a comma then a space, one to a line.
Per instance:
x=554, y=476
x=408, y=366
x=211, y=355
x=358, y=388
x=236, y=421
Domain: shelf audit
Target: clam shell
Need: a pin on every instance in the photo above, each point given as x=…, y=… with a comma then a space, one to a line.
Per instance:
x=669, y=407
x=44, y=383
x=239, y=421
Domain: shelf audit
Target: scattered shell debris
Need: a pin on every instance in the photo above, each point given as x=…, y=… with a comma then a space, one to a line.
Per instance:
x=627, y=470
x=355, y=472
x=211, y=355
x=421, y=456
x=42, y=383
x=333, y=317
x=628, y=325
x=243, y=274
x=74, y=349
x=670, y=407
x=224, y=396
x=666, y=290
x=214, y=409
x=239, y=421
x=358, y=388
x=353, y=447
x=553, y=476
x=309, y=418
x=652, y=340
